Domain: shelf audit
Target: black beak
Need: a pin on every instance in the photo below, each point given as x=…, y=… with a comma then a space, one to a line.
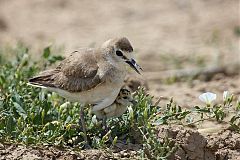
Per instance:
x=134, y=102
x=132, y=63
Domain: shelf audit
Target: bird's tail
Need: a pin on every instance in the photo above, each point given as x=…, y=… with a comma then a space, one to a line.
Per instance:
x=43, y=80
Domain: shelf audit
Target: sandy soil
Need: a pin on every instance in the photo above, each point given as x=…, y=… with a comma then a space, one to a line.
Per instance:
x=165, y=34
x=222, y=145
x=45, y=153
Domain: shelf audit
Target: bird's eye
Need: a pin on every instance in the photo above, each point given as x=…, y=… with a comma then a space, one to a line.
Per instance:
x=119, y=53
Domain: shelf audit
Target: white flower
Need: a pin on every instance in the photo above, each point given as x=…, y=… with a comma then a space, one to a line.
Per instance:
x=225, y=95
x=207, y=97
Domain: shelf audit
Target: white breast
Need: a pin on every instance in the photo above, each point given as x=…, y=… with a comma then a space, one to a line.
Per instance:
x=92, y=96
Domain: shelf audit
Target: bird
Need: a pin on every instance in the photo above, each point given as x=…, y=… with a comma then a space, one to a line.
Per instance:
x=118, y=107
x=91, y=75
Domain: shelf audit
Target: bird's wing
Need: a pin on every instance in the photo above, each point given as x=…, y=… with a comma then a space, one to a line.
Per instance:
x=79, y=72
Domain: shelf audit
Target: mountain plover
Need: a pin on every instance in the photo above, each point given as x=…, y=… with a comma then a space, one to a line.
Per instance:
x=90, y=76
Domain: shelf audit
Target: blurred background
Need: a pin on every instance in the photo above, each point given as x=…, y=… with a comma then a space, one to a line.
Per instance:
x=166, y=35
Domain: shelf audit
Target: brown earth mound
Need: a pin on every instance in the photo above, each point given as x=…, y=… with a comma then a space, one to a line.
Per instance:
x=194, y=146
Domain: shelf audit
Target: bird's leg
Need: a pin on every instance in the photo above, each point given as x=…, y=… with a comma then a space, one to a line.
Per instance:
x=83, y=126
x=103, y=125
x=106, y=128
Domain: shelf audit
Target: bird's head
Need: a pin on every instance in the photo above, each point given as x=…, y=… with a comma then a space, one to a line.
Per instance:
x=121, y=52
x=125, y=98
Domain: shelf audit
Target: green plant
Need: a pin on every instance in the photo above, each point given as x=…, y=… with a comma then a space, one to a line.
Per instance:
x=35, y=116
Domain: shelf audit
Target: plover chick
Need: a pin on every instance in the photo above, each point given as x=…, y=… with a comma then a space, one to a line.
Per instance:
x=117, y=108
x=90, y=76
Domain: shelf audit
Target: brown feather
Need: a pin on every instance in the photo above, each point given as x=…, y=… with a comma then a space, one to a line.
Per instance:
x=44, y=78
x=76, y=73
x=124, y=44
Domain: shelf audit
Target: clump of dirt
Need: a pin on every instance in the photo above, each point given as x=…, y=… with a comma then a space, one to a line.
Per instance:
x=193, y=145
x=225, y=145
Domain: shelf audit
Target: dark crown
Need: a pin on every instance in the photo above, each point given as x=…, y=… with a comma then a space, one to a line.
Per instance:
x=124, y=44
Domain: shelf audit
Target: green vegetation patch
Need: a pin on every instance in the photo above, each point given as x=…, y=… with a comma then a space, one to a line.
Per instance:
x=33, y=116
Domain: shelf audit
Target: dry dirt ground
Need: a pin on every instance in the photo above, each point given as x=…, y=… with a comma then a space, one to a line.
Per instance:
x=223, y=145
x=166, y=35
